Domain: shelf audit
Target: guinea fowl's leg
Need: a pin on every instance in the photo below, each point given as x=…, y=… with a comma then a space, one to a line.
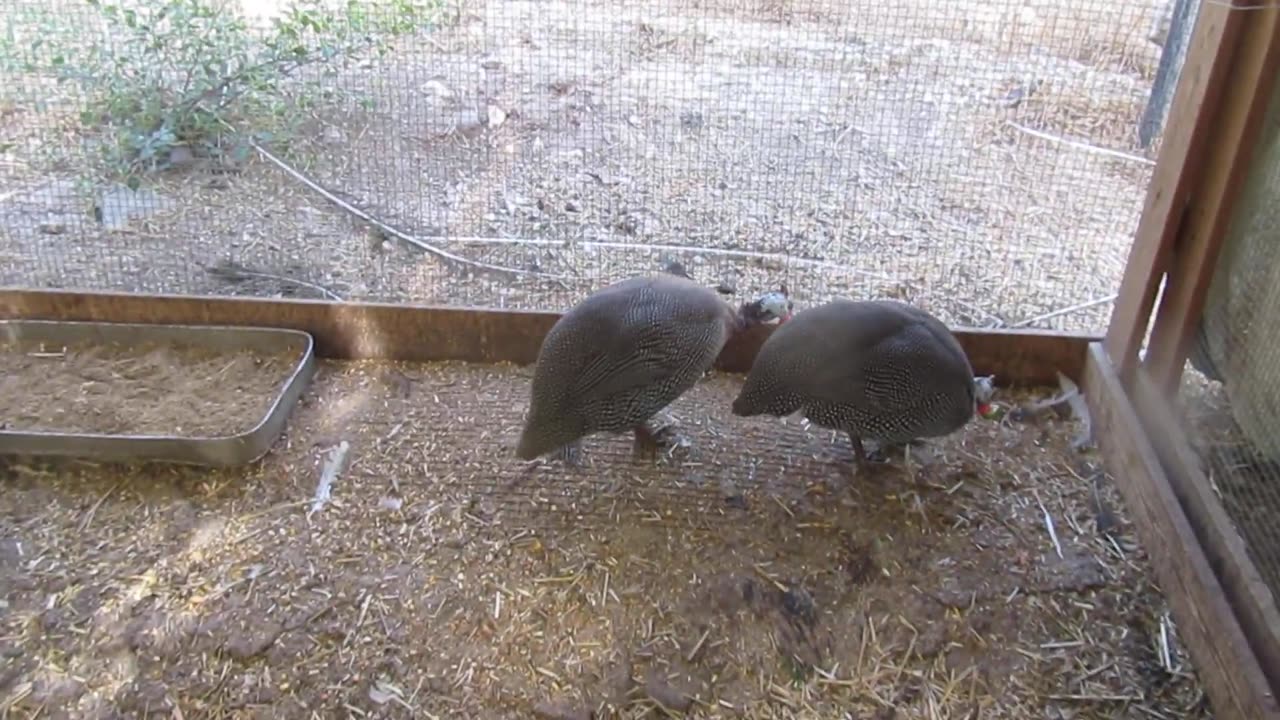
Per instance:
x=657, y=432
x=571, y=453
x=879, y=453
x=859, y=455
x=645, y=444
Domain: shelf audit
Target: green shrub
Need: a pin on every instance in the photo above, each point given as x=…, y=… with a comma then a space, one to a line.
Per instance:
x=178, y=75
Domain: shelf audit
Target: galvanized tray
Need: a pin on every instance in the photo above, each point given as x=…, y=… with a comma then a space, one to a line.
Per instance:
x=224, y=451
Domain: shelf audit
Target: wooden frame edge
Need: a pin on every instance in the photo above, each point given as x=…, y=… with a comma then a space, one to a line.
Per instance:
x=1227, y=666
x=1254, y=604
x=354, y=330
x=1192, y=114
x=1236, y=128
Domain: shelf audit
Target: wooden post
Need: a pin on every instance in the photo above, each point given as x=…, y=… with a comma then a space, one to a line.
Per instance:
x=1240, y=115
x=1204, y=80
x=1224, y=660
x=1248, y=593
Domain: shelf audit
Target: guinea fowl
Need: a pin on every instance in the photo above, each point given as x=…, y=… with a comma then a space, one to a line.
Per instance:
x=617, y=358
x=878, y=369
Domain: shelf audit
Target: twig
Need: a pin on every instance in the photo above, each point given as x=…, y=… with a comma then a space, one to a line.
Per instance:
x=699, y=249
x=1075, y=400
x=1166, y=657
x=1081, y=697
x=1066, y=310
x=1080, y=145
x=328, y=475
x=88, y=517
x=1048, y=524
x=235, y=271
x=403, y=236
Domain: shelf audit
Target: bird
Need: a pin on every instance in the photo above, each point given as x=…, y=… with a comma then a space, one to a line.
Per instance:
x=874, y=369
x=624, y=353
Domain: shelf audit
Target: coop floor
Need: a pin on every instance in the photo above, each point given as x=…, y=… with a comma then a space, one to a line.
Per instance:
x=752, y=572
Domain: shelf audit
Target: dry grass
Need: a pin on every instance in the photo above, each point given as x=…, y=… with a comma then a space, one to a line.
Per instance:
x=142, y=390
x=749, y=576
x=861, y=150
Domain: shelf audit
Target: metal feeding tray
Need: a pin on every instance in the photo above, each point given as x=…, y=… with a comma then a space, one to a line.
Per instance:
x=224, y=451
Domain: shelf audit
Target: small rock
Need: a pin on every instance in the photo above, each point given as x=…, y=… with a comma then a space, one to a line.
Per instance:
x=52, y=228
x=54, y=619
x=181, y=155
x=56, y=689
x=497, y=116
x=860, y=563
x=676, y=268
x=562, y=710
x=468, y=123
x=390, y=503
x=669, y=697
x=438, y=88
x=619, y=683
x=491, y=63
x=254, y=641
x=692, y=120
x=118, y=204
x=799, y=604
x=143, y=696
x=1073, y=573
x=383, y=692
x=633, y=120
x=931, y=640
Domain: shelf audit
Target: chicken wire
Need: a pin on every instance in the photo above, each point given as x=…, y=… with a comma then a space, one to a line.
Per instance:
x=1231, y=388
x=982, y=159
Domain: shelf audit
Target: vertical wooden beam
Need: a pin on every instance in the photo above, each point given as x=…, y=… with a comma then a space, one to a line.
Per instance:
x=1225, y=549
x=1203, y=81
x=1225, y=663
x=1240, y=116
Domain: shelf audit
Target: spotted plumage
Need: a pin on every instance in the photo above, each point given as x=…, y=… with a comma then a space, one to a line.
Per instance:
x=880, y=370
x=623, y=354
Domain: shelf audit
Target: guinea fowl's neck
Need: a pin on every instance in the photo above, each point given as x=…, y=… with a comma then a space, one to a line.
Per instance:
x=744, y=317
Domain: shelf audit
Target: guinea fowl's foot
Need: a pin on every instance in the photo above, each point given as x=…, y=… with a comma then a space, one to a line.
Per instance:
x=658, y=433
x=860, y=460
x=878, y=454
x=887, y=452
x=570, y=454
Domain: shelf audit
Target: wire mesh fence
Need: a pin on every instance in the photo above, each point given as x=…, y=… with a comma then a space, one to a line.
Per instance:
x=982, y=159
x=1231, y=387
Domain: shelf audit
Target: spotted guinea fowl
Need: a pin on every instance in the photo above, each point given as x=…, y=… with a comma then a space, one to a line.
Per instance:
x=617, y=358
x=880, y=370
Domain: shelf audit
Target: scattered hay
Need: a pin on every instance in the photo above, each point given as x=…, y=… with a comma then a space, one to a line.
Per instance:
x=150, y=389
x=749, y=576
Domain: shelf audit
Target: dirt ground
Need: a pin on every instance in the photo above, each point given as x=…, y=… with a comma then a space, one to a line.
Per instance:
x=978, y=159
x=143, y=390
x=749, y=575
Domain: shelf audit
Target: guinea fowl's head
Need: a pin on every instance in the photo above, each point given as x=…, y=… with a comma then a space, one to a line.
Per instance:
x=984, y=388
x=773, y=305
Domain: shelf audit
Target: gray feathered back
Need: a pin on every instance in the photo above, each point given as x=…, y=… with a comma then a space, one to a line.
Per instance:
x=878, y=369
x=620, y=356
